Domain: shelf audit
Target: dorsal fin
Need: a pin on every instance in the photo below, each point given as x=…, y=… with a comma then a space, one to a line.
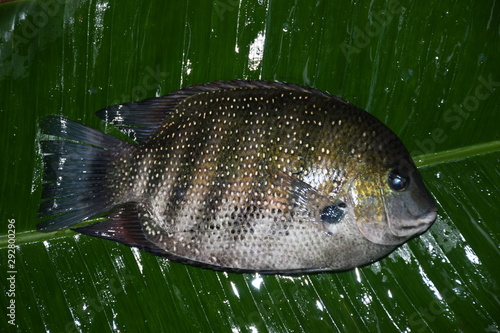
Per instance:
x=140, y=120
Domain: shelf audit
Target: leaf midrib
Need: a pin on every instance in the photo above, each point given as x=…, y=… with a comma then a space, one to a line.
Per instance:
x=458, y=154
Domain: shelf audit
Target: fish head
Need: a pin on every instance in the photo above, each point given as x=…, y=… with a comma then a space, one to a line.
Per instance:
x=391, y=204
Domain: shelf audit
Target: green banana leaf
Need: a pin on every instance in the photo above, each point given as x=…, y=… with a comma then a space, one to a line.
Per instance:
x=429, y=70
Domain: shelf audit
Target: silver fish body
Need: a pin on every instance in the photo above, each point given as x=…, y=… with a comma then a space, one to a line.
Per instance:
x=240, y=176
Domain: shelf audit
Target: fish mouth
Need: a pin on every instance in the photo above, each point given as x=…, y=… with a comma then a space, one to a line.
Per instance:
x=428, y=216
x=417, y=225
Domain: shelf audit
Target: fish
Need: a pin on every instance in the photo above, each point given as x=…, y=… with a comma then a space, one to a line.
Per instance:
x=239, y=176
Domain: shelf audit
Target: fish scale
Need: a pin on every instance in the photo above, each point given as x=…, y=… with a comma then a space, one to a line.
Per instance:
x=247, y=176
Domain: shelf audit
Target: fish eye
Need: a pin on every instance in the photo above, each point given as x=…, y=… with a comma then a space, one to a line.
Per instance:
x=397, y=181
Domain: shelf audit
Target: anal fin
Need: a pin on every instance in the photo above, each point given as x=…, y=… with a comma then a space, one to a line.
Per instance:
x=123, y=226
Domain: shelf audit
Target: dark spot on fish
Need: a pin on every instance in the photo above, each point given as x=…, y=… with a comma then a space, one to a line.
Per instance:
x=178, y=193
x=333, y=213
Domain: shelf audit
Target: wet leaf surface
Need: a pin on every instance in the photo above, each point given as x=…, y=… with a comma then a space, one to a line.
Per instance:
x=431, y=73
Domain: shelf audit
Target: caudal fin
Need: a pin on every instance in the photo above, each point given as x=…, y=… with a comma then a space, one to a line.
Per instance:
x=77, y=166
